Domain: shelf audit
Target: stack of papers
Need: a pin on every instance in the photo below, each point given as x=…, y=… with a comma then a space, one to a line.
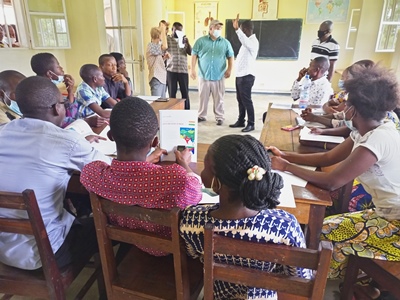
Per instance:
x=306, y=135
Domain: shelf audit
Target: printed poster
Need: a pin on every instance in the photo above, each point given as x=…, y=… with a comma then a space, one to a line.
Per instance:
x=178, y=128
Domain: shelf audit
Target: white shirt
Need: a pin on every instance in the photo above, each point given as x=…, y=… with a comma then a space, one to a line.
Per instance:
x=247, y=55
x=38, y=155
x=320, y=91
x=382, y=180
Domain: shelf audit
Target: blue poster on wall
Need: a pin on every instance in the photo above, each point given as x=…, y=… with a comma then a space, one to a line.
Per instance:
x=321, y=10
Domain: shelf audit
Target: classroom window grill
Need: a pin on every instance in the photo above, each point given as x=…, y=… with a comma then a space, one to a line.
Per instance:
x=389, y=27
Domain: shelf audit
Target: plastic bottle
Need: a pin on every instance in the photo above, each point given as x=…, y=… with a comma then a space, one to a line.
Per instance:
x=305, y=92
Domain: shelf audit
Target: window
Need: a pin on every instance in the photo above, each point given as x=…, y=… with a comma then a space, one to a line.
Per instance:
x=46, y=20
x=9, y=33
x=48, y=23
x=390, y=25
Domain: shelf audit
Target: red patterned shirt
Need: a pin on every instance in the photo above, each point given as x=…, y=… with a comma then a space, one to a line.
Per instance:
x=144, y=184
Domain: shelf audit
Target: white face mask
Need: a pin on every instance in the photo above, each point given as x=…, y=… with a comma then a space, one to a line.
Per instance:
x=59, y=80
x=341, y=84
x=217, y=33
x=9, y=41
x=348, y=123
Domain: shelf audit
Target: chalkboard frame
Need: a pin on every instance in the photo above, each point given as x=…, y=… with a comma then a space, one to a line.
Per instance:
x=280, y=39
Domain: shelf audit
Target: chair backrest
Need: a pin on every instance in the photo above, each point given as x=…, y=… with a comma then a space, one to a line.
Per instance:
x=26, y=201
x=106, y=232
x=281, y=254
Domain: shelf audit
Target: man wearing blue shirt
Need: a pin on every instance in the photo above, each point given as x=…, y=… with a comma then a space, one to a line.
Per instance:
x=212, y=52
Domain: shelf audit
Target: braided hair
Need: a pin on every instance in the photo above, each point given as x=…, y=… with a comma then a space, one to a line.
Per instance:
x=233, y=155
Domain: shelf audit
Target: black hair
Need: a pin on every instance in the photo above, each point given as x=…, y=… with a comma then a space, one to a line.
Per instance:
x=177, y=24
x=35, y=93
x=248, y=25
x=118, y=56
x=41, y=63
x=104, y=57
x=232, y=156
x=372, y=91
x=8, y=76
x=322, y=62
x=133, y=124
x=87, y=72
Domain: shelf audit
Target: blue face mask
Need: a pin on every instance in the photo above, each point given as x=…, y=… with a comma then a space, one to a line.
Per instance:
x=341, y=84
x=13, y=105
x=348, y=123
x=217, y=33
x=59, y=80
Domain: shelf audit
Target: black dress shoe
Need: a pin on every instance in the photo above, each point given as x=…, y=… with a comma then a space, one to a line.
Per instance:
x=248, y=128
x=237, y=124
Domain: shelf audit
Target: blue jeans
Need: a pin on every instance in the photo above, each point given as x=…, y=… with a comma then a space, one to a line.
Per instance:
x=157, y=88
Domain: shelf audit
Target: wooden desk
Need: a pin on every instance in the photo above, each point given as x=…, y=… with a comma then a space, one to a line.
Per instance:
x=311, y=201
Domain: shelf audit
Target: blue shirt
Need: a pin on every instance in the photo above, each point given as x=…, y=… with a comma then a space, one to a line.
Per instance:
x=212, y=56
x=38, y=155
x=85, y=96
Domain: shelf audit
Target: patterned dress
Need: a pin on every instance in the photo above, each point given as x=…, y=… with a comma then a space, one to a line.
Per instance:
x=268, y=226
x=371, y=233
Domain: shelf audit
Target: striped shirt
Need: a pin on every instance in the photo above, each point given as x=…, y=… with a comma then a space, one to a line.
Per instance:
x=329, y=49
x=178, y=61
x=85, y=96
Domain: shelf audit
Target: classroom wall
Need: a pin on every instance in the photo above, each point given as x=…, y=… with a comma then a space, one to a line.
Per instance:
x=88, y=39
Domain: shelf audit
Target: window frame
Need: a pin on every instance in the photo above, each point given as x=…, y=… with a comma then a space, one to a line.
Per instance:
x=384, y=24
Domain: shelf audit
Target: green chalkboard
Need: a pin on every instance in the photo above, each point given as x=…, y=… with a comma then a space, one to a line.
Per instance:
x=279, y=39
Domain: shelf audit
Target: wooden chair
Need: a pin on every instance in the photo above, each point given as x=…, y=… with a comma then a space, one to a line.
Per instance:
x=49, y=282
x=286, y=286
x=141, y=275
x=385, y=273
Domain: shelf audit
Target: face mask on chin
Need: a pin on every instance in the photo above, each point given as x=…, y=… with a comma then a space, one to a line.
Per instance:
x=348, y=123
x=59, y=80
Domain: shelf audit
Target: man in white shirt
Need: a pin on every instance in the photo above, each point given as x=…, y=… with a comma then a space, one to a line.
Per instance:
x=320, y=89
x=244, y=78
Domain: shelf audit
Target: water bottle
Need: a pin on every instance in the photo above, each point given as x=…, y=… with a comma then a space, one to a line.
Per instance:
x=305, y=92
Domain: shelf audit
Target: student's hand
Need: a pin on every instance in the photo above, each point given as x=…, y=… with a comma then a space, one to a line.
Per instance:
x=155, y=156
x=183, y=158
x=185, y=40
x=316, y=130
x=166, y=56
x=278, y=163
x=69, y=83
x=302, y=73
x=227, y=74
x=235, y=22
x=96, y=121
x=119, y=77
x=193, y=74
x=275, y=151
x=307, y=116
x=94, y=138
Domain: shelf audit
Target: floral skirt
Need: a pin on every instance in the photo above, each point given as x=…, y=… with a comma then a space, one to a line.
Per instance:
x=361, y=233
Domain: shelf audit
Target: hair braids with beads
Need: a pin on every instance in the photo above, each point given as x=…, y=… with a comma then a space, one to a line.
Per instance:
x=233, y=155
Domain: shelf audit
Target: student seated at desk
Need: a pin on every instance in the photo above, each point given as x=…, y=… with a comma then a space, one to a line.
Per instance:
x=133, y=127
x=9, y=109
x=90, y=93
x=370, y=154
x=238, y=168
x=36, y=153
x=320, y=89
x=115, y=83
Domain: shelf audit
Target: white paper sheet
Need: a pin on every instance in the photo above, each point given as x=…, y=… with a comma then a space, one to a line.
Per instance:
x=286, y=198
x=300, y=121
x=107, y=147
x=148, y=98
x=178, y=128
x=281, y=105
x=306, y=135
x=180, y=35
x=81, y=127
